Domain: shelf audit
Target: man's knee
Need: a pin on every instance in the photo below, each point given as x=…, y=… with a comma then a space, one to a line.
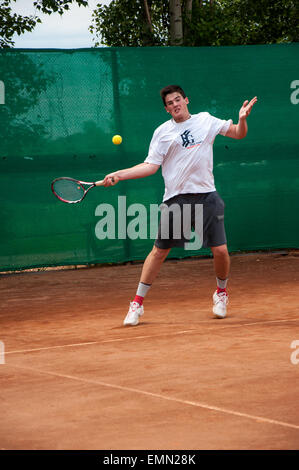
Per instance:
x=159, y=253
x=220, y=251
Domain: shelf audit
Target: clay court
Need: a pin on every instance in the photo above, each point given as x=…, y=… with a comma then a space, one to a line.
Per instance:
x=74, y=378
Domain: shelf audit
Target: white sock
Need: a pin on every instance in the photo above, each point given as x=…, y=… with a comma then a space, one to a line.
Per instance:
x=221, y=283
x=142, y=289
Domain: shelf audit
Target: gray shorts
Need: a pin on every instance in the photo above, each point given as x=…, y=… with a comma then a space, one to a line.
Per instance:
x=203, y=213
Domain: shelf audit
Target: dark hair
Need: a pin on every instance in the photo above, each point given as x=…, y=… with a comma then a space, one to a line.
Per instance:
x=171, y=89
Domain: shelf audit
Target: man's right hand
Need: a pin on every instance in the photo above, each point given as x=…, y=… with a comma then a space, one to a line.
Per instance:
x=111, y=179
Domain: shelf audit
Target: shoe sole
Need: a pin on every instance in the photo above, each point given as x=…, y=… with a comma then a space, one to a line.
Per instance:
x=219, y=315
x=131, y=324
x=135, y=323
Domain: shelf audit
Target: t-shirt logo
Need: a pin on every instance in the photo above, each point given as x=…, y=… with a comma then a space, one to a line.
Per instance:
x=188, y=140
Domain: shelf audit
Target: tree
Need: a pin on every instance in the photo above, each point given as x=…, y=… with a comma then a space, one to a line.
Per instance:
x=12, y=23
x=131, y=23
x=195, y=22
x=176, y=23
x=262, y=21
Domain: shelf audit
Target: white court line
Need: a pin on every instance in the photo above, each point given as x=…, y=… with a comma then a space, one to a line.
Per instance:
x=167, y=398
x=130, y=338
x=49, y=347
x=114, y=340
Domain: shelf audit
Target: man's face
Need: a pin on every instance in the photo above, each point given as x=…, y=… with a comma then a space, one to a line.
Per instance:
x=177, y=106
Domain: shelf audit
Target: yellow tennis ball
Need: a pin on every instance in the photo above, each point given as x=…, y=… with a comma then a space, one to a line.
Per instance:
x=117, y=139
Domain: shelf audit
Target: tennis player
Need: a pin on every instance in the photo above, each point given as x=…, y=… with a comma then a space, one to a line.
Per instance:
x=183, y=147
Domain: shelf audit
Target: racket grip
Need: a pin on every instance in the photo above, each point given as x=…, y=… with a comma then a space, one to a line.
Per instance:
x=101, y=182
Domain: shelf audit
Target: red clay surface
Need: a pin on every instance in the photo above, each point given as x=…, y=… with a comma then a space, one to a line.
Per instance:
x=75, y=378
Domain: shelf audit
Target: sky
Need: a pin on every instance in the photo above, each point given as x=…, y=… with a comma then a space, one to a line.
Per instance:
x=69, y=31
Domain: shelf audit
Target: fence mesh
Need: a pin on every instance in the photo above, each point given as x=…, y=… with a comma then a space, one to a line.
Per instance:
x=60, y=108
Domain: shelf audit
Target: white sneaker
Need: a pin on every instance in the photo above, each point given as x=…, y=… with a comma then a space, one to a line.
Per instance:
x=135, y=311
x=220, y=302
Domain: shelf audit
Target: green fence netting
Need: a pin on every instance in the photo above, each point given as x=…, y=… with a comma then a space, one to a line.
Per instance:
x=60, y=108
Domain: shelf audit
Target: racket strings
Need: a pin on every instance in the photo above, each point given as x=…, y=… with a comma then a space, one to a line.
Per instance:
x=68, y=190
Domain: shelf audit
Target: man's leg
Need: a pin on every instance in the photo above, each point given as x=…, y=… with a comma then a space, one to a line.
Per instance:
x=221, y=266
x=152, y=264
x=221, y=261
x=150, y=270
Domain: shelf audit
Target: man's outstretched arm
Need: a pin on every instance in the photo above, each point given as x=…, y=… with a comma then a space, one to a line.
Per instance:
x=239, y=131
x=139, y=171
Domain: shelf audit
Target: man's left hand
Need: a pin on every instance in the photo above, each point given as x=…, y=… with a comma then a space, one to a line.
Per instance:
x=246, y=108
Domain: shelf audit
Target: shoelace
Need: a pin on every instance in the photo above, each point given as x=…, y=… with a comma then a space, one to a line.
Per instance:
x=221, y=297
x=135, y=306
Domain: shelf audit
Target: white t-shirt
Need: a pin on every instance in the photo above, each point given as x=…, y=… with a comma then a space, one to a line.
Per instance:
x=185, y=151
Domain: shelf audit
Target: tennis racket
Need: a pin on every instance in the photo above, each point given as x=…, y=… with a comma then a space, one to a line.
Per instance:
x=72, y=191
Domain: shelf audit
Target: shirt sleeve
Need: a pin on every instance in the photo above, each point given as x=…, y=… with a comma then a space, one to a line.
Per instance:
x=155, y=153
x=225, y=127
x=218, y=126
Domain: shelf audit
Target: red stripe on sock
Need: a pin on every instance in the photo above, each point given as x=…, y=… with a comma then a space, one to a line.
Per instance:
x=221, y=290
x=138, y=299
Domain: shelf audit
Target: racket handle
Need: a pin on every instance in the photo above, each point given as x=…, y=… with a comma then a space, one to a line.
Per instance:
x=101, y=182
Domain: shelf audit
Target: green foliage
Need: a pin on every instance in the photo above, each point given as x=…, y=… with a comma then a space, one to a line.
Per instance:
x=253, y=22
x=124, y=23
x=221, y=22
x=12, y=23
x=59, y=6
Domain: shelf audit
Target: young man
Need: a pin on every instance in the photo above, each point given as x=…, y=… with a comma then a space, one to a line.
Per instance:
x=183, y=146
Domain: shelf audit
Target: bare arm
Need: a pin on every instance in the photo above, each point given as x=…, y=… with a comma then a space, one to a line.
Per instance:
x=138, y=171
x=239, y=131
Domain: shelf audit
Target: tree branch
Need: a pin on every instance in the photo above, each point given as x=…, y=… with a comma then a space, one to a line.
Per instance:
x=148, y=15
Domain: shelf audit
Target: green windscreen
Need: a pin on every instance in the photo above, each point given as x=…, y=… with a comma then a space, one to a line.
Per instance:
x=59, y=110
